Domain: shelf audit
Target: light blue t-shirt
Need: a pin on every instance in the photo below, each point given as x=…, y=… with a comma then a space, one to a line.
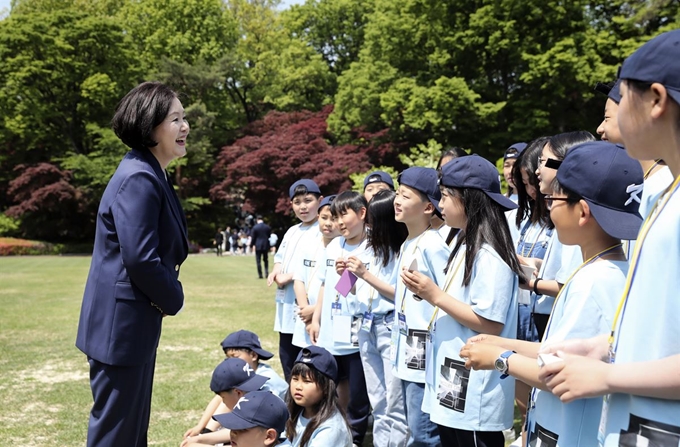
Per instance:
x=275, y=384
x=585, y=309
x=367, y=295
x=649, y=329
x=288, y=255
x=349, y=305
x=333, y=432
x=654, y=186
x=313, y=260
x=458, y=397
x=559, y=263
x=408, y=351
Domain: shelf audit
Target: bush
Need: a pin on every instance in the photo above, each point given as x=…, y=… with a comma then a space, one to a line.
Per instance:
x=10, y=246
x=8, y=225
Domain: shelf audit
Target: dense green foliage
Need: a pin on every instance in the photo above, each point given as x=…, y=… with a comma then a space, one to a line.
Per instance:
x=400, y=73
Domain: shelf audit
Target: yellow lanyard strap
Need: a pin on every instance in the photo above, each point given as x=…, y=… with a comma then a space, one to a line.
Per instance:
x=447, y=284
x=585, y=263
x=646, y=226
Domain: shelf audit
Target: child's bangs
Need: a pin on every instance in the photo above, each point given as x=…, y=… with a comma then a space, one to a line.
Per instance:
x=305, y=372
x=348, y=200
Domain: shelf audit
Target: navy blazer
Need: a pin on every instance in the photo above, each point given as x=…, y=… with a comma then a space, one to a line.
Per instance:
x=259, y=236
x=140, y=243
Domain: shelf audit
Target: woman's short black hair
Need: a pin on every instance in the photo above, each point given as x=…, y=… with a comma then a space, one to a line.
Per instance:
x=140, y=112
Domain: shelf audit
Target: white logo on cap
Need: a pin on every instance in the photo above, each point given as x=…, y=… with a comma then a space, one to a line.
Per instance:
x=633, y=190
x=238, y=404
x=306, y=360
x=248, y=369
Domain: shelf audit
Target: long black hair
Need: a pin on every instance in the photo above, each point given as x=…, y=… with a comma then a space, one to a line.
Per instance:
x=534, y=209
x=326, y=408
x=451, y=152
x=386, y=235
x=486, y=224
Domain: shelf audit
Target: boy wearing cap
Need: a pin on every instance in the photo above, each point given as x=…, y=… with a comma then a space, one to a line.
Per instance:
x=246, y=346
x=591, y=207
x=307, y=274
x=425, y=251
x=257, y=420
x=231, y=380
x=304, y=199
x=376, y=181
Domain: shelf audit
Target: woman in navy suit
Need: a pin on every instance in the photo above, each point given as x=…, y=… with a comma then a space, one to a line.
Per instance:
x=140, y=244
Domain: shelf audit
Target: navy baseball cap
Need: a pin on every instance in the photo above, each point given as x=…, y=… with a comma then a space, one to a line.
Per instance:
x=611, y=90
x=256, y=409
x=246, y=339
x=423, y=180
x=513, y=151
x=320, y=359
x=609, y=181
x=311, y=186
x=475, y=172
x=378, y=177
x=326, y=201
x=235, y=373
x=657, y=61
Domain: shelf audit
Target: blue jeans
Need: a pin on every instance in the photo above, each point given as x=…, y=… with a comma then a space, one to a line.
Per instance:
x=424, y=432
x=384, y=391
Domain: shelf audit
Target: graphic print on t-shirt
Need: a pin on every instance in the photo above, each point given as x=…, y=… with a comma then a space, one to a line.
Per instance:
x=453, y=384
x=643, y=433
x=541, y=437
x=415, y=349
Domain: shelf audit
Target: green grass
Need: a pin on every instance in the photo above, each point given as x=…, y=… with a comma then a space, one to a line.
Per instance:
x=45, y=388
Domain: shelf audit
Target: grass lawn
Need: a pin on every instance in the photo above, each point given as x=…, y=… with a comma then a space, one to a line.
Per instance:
x=45, y=388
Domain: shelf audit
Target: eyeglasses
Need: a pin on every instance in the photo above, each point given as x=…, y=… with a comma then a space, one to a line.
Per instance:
x=549, y=201
x=549, y=163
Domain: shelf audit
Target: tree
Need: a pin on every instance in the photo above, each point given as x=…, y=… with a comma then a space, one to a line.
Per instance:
x=334, y=28
x=257, y=169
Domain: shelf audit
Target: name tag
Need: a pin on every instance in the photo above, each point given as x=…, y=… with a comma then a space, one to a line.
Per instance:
x=336, y=309
x=280, y=294
x=342, y=329
x=309, y=263
x=368, y=322
x=403, y=327
x=330, y=262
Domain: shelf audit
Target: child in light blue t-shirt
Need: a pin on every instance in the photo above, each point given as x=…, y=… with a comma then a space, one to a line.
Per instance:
x=305, y=197
x=426, y=252
x=478, y=295
x=316, y=419
x=590, y=209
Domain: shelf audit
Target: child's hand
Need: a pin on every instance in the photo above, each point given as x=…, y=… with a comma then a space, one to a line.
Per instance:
x=355, y=266
x=340, y=266
x=421, y=286
x=577, y=377
x=271, y=278
x=283, y=278
x=194, y=431
x=480, y=355
x=313, y=331
x=305, y=313
x=486, y=338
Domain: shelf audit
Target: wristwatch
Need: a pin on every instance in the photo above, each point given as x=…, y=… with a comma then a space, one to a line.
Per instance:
x=502, y=363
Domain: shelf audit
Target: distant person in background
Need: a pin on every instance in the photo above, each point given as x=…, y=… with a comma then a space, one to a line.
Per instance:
x=140, y=242
x=219, y=239
x=260, y=243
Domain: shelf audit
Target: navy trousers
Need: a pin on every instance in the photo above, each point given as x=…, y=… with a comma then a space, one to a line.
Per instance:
x=122, y=404
x=359, y=407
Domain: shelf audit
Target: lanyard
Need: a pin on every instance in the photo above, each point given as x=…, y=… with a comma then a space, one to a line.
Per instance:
x=401, y=265
x=523, y=236
x=649, y=171
x=585, y=263
x=447, y=284
x=646, y=226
